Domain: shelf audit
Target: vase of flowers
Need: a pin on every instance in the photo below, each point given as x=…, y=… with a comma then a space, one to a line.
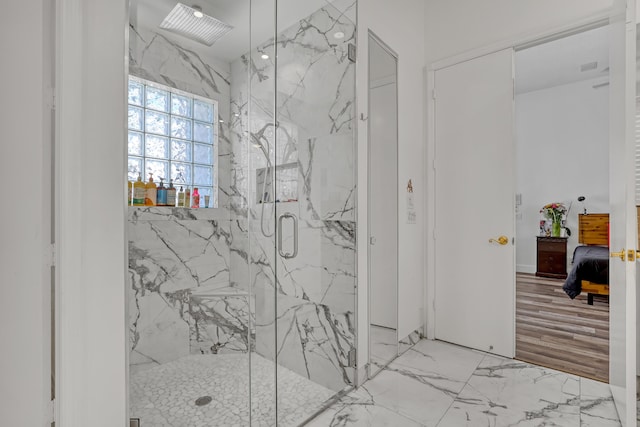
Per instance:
x=555, y=212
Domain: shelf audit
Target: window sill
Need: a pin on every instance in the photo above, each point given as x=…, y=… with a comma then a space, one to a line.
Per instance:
x=170, y=213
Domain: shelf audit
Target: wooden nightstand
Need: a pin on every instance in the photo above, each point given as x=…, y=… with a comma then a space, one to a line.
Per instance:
x=552, y=257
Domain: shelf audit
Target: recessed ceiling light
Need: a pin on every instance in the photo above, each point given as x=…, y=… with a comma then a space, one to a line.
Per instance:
x=338, y=35
x=236, y=114
x=220, y=121
x=265, y=56
x=197, y=11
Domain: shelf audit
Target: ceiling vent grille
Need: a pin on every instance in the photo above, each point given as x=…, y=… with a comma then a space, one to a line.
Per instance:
x=589, y=66
x=183, y=20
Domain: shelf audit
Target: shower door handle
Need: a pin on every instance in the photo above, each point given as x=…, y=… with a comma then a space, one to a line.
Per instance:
x=281, y=219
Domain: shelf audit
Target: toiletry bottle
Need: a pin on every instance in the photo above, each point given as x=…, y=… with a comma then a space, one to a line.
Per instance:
x=151, y=192
x=181, y=198
x=187, y=197
x=138, y=192
x=162, y=194
x=195, y=198
x=171, y=194
x=129, y=192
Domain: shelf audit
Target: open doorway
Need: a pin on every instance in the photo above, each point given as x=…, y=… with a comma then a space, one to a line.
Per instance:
x=562, y=160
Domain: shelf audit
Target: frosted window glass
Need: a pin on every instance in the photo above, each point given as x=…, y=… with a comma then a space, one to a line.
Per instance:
x=180, y=150
x=180, y=105
x=156, y=146
x=159, y=168
x=136, y=93
x=135, y=143
x=203, y=132
x=180, y=128
x=157, y=123
x=134, y=168
x=135, y=118
x=202, y=175
x=157, y=99
x=165, y=139
x=202, y=111
x=181, y=173
x=202, y=153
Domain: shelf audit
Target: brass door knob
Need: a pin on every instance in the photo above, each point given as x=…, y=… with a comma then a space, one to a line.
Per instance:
x=622, y=255
x=502, y=240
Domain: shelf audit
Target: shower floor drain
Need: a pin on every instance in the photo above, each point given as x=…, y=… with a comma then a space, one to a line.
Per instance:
x=204, y=400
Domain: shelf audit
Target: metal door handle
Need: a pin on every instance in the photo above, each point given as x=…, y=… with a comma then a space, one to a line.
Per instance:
x=622, y=255
x=502, y=240
x=281, y=218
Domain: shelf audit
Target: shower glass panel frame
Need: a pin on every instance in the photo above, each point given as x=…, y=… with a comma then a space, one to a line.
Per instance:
x=229, y=324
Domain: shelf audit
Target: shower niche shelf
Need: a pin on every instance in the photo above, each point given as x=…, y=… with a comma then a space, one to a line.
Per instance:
x=286, y=184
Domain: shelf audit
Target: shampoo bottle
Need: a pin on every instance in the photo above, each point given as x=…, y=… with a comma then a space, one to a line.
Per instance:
x=187, y=197
x=195, y=198
x=181, y=198
x=138, y=192
x=129, y=192
x=151, y=193
x=162, y=194
x=171, y=194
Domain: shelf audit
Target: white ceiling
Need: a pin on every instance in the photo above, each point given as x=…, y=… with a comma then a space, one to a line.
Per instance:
x=150, y=13
x=558, y=62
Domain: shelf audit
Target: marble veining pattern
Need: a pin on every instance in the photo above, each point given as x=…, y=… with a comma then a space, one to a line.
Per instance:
x=440, y=384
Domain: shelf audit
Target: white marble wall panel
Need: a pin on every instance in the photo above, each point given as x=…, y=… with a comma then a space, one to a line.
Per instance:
x=221, y=321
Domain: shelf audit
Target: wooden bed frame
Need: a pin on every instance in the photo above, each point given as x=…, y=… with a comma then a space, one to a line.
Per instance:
x=593, y=229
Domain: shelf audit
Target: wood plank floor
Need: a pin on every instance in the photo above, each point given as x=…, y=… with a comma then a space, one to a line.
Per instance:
x=554, y=331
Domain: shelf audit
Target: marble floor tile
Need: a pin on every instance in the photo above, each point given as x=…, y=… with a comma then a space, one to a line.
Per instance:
x=596, y=405
x=505, y=392
x=423, y=397
x=358, y=410
x=442, y=359
x=443, y=385
x=384, y=344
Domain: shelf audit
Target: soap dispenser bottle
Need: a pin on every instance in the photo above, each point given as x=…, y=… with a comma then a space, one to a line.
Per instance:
x=187, y=197
x=162, y=194
x=195, y=198
x=138, y=192
x=151, y=192
x=171, y=194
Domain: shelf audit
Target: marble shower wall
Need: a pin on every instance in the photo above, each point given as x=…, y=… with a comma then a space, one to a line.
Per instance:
x=183, y=298
x=313, y=144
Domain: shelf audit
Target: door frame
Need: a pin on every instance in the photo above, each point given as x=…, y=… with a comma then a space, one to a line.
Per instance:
x=390, y=51
x=520, y=43
x=531, y=39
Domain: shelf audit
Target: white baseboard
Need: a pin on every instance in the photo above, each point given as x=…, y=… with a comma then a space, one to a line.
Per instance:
x=522, y=268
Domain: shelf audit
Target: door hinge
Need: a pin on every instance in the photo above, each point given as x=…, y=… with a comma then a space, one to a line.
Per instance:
x=352, y=358
x=52, y=411
x=433, y=93
x=434, y=234
x=51, y=255
x=434, y=164
x=351, y=52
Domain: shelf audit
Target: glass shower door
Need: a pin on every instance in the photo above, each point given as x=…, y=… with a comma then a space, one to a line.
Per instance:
x=315, y=204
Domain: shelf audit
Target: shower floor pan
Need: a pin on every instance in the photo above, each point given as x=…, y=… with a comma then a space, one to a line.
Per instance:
x=213, y=390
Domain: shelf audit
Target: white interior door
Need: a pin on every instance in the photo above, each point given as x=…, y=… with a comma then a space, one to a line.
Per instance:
x=474, y=169
x=623, y=218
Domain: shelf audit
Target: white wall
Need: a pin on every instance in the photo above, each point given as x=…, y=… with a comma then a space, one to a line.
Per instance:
x=25, y=216
x=456, y=26
x=399, y=28
x=562, y=152
x=91, y=104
